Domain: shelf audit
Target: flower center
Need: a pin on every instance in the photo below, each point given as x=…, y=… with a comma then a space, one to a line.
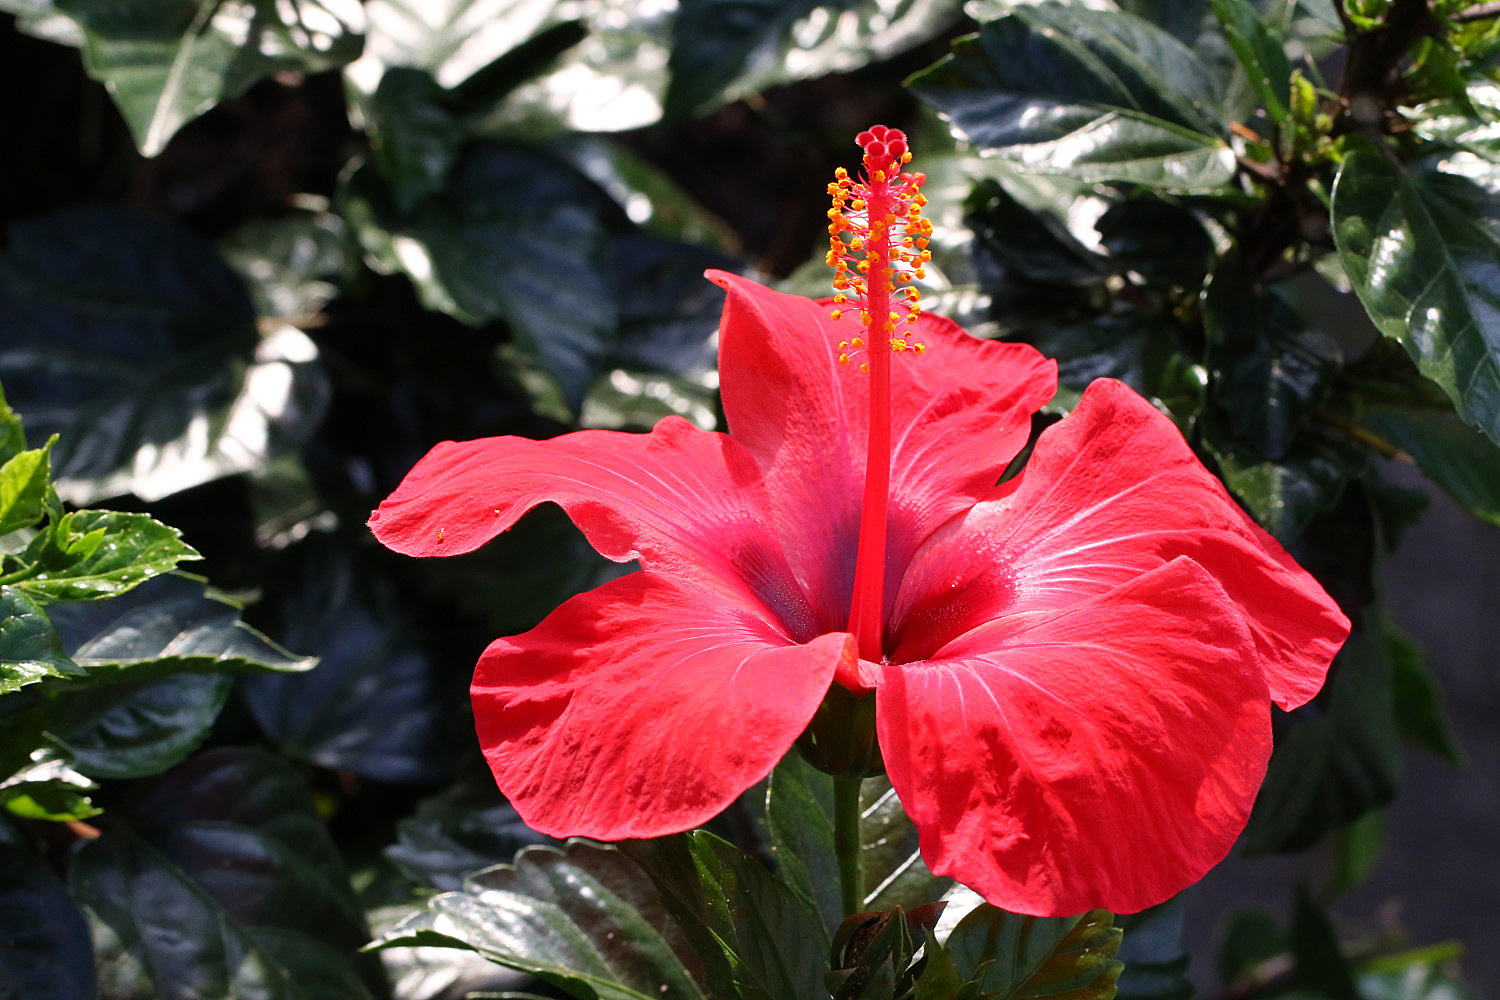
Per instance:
x=877, y=247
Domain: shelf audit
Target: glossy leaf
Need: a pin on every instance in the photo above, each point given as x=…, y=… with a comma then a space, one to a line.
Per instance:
x=294, y=264
x=377, y=705
x=135, y=729
x=47, y=953
x=53, y=799
x=799, y=813
x=165, y=63
x=23, y=488
x=1161, y=240
x=1286, y=493
x=129, y=337
x=1033, y=246
x=1420, y=251
x=1260, y=52
x=512, y=212
x=415, y=139
x=450, y=39
x=457, y=833
x=1458, y=458
x=993, y=954
x=724, y=49
x=890, y=864
x=93, y=554
x=583, y=917
x=1183, y=18
x=1154, y=953
x=225, y=883
x=1452, y=121
x=30, y=648
x=1270, y=372
x=1336, y=759
x=1096, y=95
x=171, y=625
x=725, y=901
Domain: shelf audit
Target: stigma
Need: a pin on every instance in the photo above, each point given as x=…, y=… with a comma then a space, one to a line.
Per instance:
x=878, y=247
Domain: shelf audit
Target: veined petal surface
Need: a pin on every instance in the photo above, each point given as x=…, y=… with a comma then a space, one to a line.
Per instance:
x=644, y=707
x=685, y=502
x=1106, y=755
x=1110, y=492
x=960, y=412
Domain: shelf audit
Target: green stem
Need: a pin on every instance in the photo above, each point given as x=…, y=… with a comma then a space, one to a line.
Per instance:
x=846, y=812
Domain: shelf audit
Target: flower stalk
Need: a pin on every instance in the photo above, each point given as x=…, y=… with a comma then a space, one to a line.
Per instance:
x=846, y=841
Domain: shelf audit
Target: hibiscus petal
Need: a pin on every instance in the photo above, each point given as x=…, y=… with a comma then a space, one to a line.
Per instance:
x=1104, y=756
x=960, y=412
x=1113, y=491
x=681, y=500
x=644, y=707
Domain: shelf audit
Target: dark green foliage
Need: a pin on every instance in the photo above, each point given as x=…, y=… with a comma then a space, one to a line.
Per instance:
x=287, y=246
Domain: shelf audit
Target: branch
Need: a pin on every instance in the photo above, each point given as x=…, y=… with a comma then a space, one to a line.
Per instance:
x=1478, y=12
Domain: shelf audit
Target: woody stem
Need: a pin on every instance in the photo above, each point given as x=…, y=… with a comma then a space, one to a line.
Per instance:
x=867, y=607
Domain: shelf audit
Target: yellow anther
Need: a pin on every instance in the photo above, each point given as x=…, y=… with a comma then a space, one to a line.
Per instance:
x=843, y=359
x=865, y=367
x=857, y=204
x=879, y=176
x=919, y=347
x=836, y=314
x=841, y=173
x=857, y=342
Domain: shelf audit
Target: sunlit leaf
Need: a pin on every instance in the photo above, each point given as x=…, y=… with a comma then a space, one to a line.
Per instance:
x=1096, y=95
x=166, y=62
x=724, y=49
x=724, y=901
x=23, y=488
x=93, y=554
x=293, y=264
x=130, y=338
x=1420, y=249
x=999, y=956
x=30, y=648
x=584, y=918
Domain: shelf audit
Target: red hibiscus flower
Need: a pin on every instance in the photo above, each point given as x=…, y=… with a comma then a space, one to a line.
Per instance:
x=1072, y=671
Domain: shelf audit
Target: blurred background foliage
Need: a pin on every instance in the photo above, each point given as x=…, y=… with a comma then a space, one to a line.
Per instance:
x=258, y=255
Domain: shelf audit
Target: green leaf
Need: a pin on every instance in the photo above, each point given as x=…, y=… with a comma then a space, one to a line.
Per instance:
x=1250, y=937
x=1453, y=122
x=582, y=917
x=165, y=62
x=1155, y=959
x=457, y=833
x=1458, y=458
x=1183, y=18
x=132, y=730
x=1260, y=52
x=1009, y=956
x=450, y=39
x=1321, y=966
x=1335, y=759
x=1161, y=239
x=1420, y=713
x=1095, y=95
x=54, y=800
x=1419, y=248
x=92, y=554
x=1269, y=370
x=128, y=337
x=891, y=868
x=758, y=939
x=224, y=882
x=12, y=436
x=377, y=705
x=725, y=49
x=30, y=648
x=23, y=488
x=293, y=264
x=47, y=953
x=1286, y=493
x=1034, y=246
x=171, y=625
x=414, y=137
x=799, y=813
